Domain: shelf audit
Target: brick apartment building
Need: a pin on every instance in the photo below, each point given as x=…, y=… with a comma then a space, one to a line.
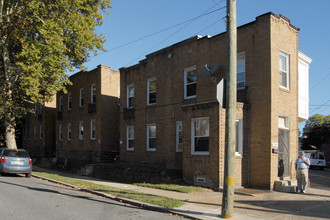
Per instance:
x=39, y=128
x=169, y=115
x=87, y=125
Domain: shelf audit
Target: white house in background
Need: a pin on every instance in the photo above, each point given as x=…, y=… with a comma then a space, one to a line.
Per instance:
x=303, y=86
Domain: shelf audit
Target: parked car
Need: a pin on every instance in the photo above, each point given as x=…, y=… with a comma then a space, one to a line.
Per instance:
x=15, y=161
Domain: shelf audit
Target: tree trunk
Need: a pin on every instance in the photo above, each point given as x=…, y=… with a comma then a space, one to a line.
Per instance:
x=8, y=99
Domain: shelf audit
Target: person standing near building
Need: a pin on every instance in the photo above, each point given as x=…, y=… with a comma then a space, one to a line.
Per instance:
x=302, y=165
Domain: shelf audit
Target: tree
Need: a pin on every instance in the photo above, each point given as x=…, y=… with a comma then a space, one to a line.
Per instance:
x=40, y=40
x=316, y=131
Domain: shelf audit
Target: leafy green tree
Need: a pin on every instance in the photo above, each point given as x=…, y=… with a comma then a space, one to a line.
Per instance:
x=40, y=40
x=316, y=131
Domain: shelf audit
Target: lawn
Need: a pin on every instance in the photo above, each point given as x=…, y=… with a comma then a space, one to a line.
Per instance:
x=129, y=194
x=174, y=187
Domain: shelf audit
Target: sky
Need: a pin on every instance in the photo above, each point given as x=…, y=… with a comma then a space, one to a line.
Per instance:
x=136, y=28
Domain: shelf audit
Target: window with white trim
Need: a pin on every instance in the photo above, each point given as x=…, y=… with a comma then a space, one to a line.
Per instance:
x=130, y=96
x=81, y=130
x=69, y=131
x=178, y=136
x=130, y=138
x=241, y=70
x=81, y=97
x=200, y=140
x=60, y=132
x=41, y=132
x=239, y=137
x=151, y=137
x=93, y=129
x=283, y=122
x=93, y=93
x=284, y=70
x=151, y=91
x=69, y=101
x=190, y=82
x=60, y=104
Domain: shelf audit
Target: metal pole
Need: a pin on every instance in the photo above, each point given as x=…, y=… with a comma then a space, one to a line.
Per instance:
x=229, y=172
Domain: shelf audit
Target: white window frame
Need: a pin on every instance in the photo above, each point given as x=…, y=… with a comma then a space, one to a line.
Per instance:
x=148, y=137
x=286, y=119
x=148, y=91
x=128, y=138
x=178, y=145
x=60, y=103
x=69, y=132
x=60, y=132
x=287, y=71
x=241, y=84
x=81, y=97
x=93, y=129
x=41, y=132
x=69, y=100
x=128, y=97
x=186, y=71
x=81, y=130
x=93, y=93
x=239, y=137
x=193, y=151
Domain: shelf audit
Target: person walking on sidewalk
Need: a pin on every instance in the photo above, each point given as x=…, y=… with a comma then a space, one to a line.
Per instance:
x=302, y=165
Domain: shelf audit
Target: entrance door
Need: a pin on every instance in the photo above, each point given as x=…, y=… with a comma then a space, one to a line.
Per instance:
x=283, y=153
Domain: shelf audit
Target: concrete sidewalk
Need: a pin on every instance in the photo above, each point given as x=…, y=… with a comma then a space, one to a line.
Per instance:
x=249, y=203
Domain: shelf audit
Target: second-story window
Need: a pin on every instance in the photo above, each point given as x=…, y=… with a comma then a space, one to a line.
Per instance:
x=151, y=91
x=93, y=93
x=190, y=82
x=241, y=70
x=284, y=70
x=60, y=104
x=130, y=96
x=81, y=97
x=69, y=101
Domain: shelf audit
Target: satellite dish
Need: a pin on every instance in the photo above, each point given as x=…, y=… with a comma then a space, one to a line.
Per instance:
x=210, y=70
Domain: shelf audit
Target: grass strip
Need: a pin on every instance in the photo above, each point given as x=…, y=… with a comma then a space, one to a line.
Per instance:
x=174, y=187
x=129, y=194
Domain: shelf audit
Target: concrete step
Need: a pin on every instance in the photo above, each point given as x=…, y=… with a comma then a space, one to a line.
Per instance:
x=285, y=185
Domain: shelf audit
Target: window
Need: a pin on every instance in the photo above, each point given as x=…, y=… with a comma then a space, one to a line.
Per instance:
x=81, y=97
x=60, y=104
x=69, y=101
x=151, y=137
x=81, y=130
x=60, y=132
x=35, y=132
x=151, y=87
x=130, y=96
x=284, y=70
x=190, y=82
x=283, y=122
x=93, y=93
x=241, y=70
x=130, y=138
x=69, y=131
x=179, y=136
x=35, y=110
x=41, y=132
x=93, y=135
x=40, y=109
x=200, y=136
x=239, y=137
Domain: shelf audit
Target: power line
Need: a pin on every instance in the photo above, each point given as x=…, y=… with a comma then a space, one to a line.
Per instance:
x=321, y=80
x=190, y=21
x=320, y=106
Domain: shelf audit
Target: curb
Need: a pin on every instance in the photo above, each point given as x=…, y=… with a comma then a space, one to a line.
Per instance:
x=119, y=199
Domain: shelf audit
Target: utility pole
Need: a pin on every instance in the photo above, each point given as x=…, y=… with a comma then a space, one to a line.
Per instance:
x=229, y=174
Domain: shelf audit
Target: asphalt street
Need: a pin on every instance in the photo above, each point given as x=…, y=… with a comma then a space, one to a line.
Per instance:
x=30, y=198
